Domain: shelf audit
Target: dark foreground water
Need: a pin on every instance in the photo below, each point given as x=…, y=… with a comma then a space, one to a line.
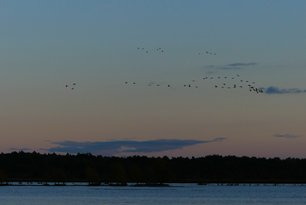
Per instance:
x=176, y=194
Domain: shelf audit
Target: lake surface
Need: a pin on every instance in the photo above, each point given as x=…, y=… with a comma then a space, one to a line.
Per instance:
x=176, y=194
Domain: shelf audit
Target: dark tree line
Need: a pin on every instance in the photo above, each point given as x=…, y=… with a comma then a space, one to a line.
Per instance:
x=21, y=166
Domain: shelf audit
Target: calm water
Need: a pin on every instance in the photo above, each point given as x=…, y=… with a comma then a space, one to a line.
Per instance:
x=176, y=195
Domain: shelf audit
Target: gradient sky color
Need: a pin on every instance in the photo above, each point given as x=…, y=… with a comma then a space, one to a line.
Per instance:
x=47, y=44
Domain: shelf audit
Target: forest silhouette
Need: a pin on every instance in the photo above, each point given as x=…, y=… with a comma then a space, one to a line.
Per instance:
x=142, y=170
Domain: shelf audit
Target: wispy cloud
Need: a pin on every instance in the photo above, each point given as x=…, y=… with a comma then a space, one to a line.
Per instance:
x=233, y=66
x=241, y=64
x=127, y=146
x=24, y=149
x=276, y=90
x=287, y=136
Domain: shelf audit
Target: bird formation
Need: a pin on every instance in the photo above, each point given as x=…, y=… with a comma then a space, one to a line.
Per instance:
x=217, y=82
x=151, y=50
x=210, y=53
x=149, y=84
x=234, y=82
x=162, y=50
x=71, y=86
x=129, y=83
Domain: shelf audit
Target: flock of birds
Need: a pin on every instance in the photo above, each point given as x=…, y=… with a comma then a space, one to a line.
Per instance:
x=162, y=50
x=233, y=82
x=70, y=86
x=207, y=53
x=151, y=50
x=217, y=82
x=222, y=82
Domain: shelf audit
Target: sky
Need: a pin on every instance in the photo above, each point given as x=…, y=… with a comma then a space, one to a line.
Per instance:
x=46, y=45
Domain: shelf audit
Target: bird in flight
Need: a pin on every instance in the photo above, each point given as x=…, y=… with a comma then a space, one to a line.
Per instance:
x=71, y=86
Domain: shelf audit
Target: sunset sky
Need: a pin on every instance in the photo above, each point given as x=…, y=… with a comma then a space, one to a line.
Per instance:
x=46, y=45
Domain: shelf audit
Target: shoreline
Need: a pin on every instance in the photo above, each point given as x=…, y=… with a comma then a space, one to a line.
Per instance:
x=139, y=185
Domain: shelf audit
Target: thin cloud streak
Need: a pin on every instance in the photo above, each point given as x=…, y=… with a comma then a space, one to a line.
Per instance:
x=23, y=149
x=242, y=64
x=233, y=66
x=276, y=90
x=287, y=136
x=127, y=146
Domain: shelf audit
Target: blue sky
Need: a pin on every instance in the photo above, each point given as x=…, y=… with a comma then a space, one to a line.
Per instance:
x=48, y=44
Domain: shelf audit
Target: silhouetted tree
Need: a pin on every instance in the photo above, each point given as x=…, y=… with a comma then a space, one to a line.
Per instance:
x=92, y=176
x=21, y=166
x=3, y=178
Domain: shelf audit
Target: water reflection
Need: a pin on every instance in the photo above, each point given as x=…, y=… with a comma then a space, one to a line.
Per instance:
x=176, y=194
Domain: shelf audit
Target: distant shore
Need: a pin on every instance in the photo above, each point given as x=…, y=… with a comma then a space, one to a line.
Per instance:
x=145, y=185
x=20, y=168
